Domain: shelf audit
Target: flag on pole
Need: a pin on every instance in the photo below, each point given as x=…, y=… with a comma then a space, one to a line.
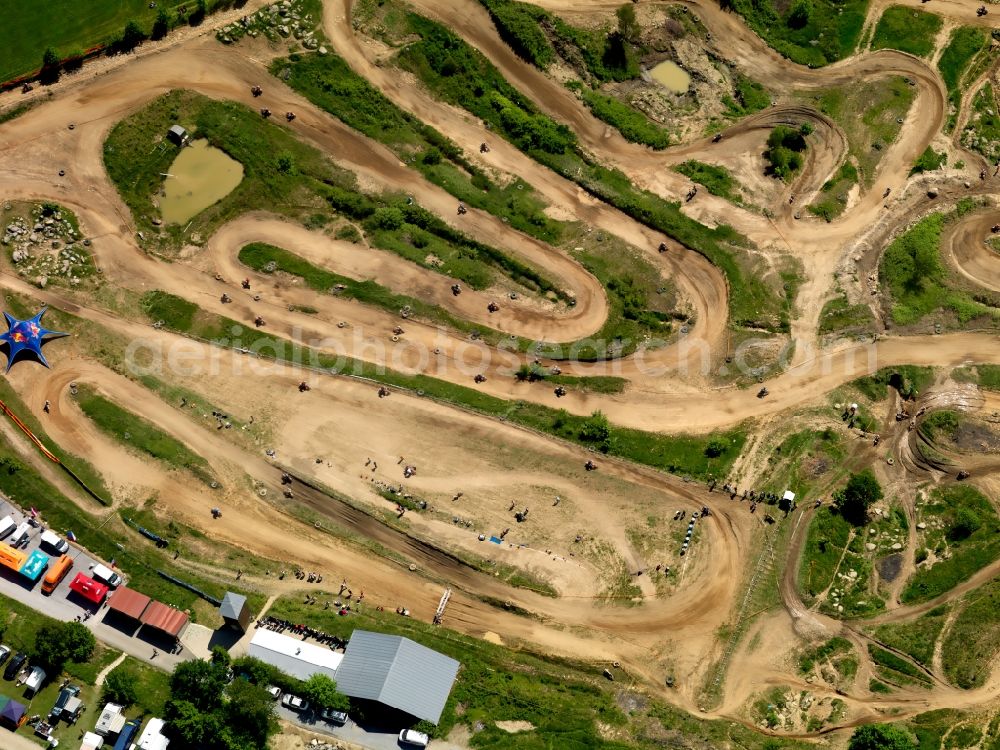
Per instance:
x=71, y=536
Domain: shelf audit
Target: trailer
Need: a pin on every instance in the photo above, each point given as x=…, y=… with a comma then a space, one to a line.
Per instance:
x=35, y=565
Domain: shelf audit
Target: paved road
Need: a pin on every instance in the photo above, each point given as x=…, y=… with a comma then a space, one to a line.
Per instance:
x=367, y=737
x=60, y=606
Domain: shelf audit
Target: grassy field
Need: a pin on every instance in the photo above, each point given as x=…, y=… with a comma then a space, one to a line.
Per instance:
x=330, y=83
x=462, y=76
x=748, y=97
x=627, y=120
x=919, y=284
x=136, y=152
x=152, y=687
x=909, y=380
x=569, y=705
x=828, y=537
x=840, y=316
x=906, y=29
x=868, y=112
x=140, y=435
x=716, y=180
x=982, y=131
x=896, y=670
x=916, y=638
x=963, y=525
x=67, y=27
x=965, y=43
x=986, y=377
x=971, y=644
x=810, y=33
x=831, y=203
x=696, y=456
x=804, y=462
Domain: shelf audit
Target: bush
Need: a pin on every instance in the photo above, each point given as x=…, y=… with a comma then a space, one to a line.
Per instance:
x=119, y=687
x=388, y=219
x=321, y=692
x=928, y=161
x=966, y=524
x=880, y=737
x=854, y=500
x=784, y=151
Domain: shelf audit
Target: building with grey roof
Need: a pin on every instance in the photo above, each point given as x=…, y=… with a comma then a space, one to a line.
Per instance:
x=235, y=612
x=397, y=672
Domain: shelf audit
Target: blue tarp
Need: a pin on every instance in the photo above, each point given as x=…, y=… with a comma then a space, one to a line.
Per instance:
x=36, y=564
x=495, y=539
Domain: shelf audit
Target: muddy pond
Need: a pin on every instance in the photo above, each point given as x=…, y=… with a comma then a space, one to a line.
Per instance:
x=200, y=176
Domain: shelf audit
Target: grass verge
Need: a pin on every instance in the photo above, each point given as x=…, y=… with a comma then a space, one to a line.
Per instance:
x=965, y=43
x=971, y=644
x=916, y=638
x=140, y=435
x=695, y=456
x=906, y=29
x=717, y=180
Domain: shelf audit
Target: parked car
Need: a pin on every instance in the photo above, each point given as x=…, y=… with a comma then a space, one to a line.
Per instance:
x=274, y=692
x=333, y=716
x=294, y=702
x=413, y=737
x=7, y=525
x=54, y=543
x=106, y=575
x=68, y=691
x=4, y=654
x=15, y=665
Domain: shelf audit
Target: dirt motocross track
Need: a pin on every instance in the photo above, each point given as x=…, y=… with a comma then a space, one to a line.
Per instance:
x=669, y=388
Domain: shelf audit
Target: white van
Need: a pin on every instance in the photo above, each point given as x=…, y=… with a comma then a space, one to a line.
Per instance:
x=54, y=543
x=20, y=534
x=35, y=679
x=104, y=574
x=7, y=525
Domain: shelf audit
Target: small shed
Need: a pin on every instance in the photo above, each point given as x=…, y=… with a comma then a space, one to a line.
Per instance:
x=165, y=618
x=177, y=134
x=235, y=612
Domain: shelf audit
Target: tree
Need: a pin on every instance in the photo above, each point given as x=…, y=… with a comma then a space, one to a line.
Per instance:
x=132, y=37
x=715, y=448
x=256, y=671
x=628, y=27
x=59, y=642
x=321, y=691
x=119, y=687
x=596, y=429
x=880, y=737
x=50, y=66
x=388, y=218
x=965, y=525
x=854, y=500
x=220, y=657
x=161, y=26
x=198, y=682
x=192, y=727
x=799, y=15
x=249, y=714
x=198, y=14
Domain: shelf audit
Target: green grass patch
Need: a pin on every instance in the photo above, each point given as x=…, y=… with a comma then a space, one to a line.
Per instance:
x=916, y=638
x=822, y=652
x=809, y=32
x=919, y=283
x=16, y=111
x=906, y=29
x=831, y=203
x=717, y=180
x=695, y=456
x=840, y=316
x=634, y=126
x=748, y=97
x=909, y=380
x=982, y=131
x=971, y=644
x=940, y=424
x=330, y=83
x=929, y=161
x=986, y=377
x=869, y=112
x=152, y=687
x=805, y=461
x=140, y=435
x=965, y=43
x=891, y=662
x=829, y=535
x=462, y=76
x=969, y=533
x=137, y=152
